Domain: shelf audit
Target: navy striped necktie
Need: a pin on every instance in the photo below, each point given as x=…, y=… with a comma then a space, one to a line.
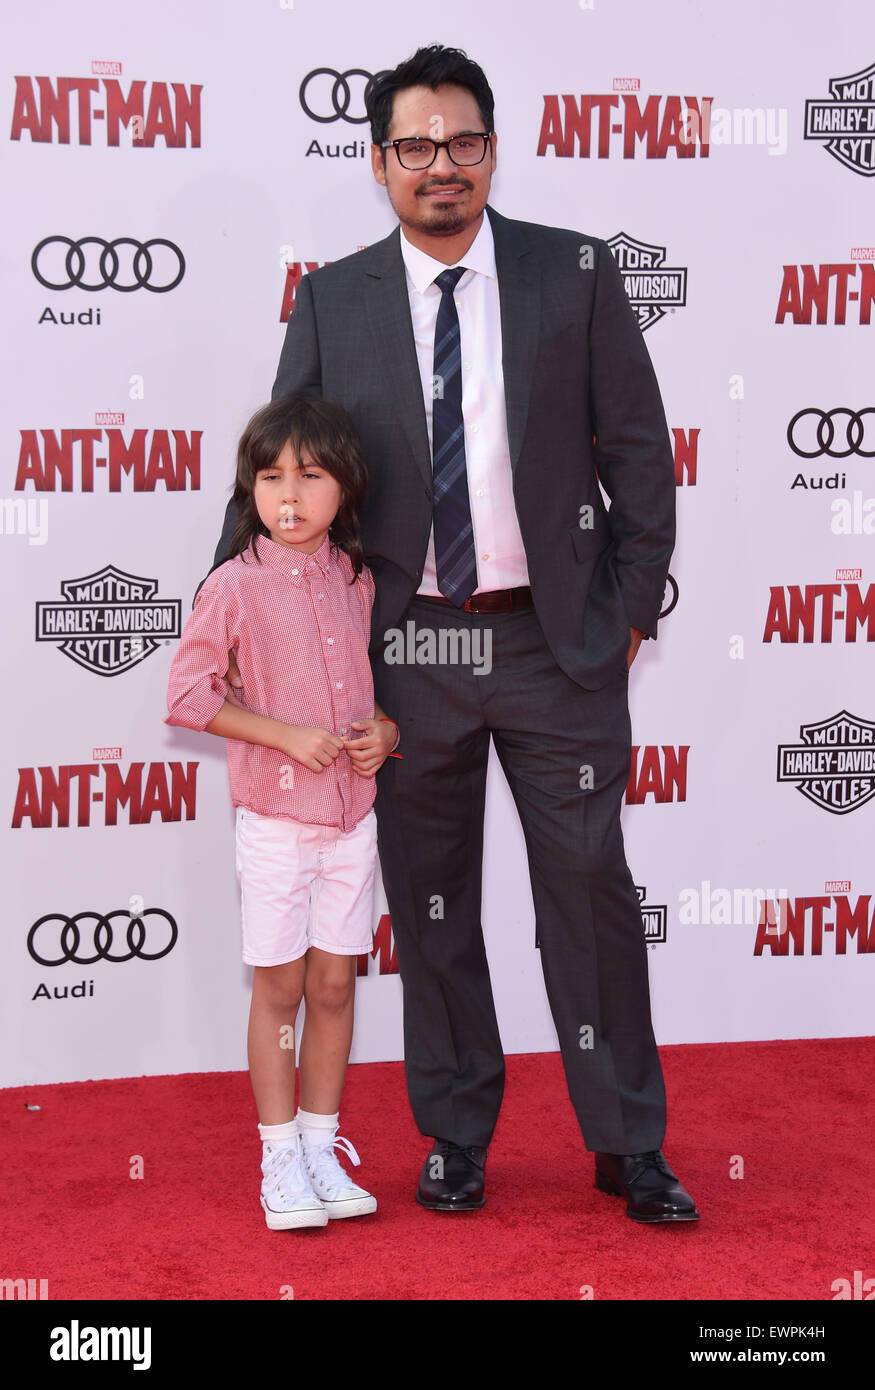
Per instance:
x=453, y=533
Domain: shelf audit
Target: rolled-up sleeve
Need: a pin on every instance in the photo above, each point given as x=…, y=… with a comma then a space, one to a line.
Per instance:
x=196, y=687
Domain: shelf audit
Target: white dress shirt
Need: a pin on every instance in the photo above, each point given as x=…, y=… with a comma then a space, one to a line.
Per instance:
x=498, y=545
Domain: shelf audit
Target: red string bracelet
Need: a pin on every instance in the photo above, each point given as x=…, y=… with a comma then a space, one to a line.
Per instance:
x=398, y=739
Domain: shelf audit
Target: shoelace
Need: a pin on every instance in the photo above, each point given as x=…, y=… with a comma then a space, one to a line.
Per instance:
x=285, y=1174
x=445, y=1147
x=656, y=1158
x=324, y=1167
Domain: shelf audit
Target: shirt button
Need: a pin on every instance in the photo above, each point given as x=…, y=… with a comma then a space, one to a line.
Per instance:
x=467, y=366
x=339, y=684
x=480, y=491
x=484, y=557
x=294, y=571
x=344, y=775
x=329, y=641
x=320, y=595
x=474, y=429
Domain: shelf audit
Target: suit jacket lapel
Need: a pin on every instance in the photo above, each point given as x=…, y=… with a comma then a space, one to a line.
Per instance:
x=519, y=293
x=389, y=313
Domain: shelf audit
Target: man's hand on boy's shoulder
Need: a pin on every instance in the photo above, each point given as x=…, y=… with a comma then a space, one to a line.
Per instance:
x=233, y=676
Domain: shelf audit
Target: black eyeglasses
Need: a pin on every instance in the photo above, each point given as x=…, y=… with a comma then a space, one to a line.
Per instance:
x=464, y=150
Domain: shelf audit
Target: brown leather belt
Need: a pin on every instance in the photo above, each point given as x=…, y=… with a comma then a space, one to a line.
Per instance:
x=494, y=601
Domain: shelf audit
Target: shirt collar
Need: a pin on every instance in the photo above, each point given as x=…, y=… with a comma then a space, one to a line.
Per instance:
x=295, y=563
x=422, y=269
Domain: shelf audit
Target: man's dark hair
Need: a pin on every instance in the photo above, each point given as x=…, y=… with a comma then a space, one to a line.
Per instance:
x=429, y=67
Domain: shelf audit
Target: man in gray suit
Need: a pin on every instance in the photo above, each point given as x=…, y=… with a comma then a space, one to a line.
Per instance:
x=497, y=374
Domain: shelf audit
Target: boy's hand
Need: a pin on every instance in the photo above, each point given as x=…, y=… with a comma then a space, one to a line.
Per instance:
x=315, y=748
x=368, y=754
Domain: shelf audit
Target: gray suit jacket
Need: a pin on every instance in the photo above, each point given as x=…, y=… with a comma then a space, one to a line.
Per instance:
x=582, y=402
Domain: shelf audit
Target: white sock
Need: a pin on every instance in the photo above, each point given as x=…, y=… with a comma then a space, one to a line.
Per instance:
x=280, y=1135
x=315, y=1128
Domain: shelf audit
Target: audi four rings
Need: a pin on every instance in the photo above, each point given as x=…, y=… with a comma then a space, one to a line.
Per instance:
x=825, y=433
x=108, y=264
x=670, y=597
x=69, y=938
x=339, y=96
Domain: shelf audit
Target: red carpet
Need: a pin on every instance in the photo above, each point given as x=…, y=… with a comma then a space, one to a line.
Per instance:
x=799, y=1114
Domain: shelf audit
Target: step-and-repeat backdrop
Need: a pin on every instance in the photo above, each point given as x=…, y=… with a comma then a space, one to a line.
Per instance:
x=170, y=173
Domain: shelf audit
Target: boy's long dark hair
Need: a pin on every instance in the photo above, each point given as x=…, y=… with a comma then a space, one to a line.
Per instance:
x=316, y=427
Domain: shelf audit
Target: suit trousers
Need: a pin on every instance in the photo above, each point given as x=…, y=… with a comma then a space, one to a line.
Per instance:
x=547, y=731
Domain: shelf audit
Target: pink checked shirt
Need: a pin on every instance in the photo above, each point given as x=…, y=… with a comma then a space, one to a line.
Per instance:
x=301, y=632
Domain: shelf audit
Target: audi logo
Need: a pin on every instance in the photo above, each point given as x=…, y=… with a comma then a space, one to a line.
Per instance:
x=61, y=936
x=337, y=98
x=86, y=270
x=824, y=434
x=670, y=597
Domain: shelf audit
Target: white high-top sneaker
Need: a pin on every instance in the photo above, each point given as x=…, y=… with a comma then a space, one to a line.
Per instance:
x=334, y=1187
x=287, y=1195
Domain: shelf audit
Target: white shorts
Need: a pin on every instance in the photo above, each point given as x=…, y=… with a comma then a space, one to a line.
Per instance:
x=304, y=885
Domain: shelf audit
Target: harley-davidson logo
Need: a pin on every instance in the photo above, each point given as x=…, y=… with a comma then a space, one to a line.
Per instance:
x=834, y=765
x=847, y=123
x=109, y=621
x=654, y=918
x=653, y=288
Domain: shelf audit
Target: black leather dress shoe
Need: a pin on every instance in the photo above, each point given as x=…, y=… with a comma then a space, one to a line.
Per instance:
x=651, y=1189
x=452, y=1177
